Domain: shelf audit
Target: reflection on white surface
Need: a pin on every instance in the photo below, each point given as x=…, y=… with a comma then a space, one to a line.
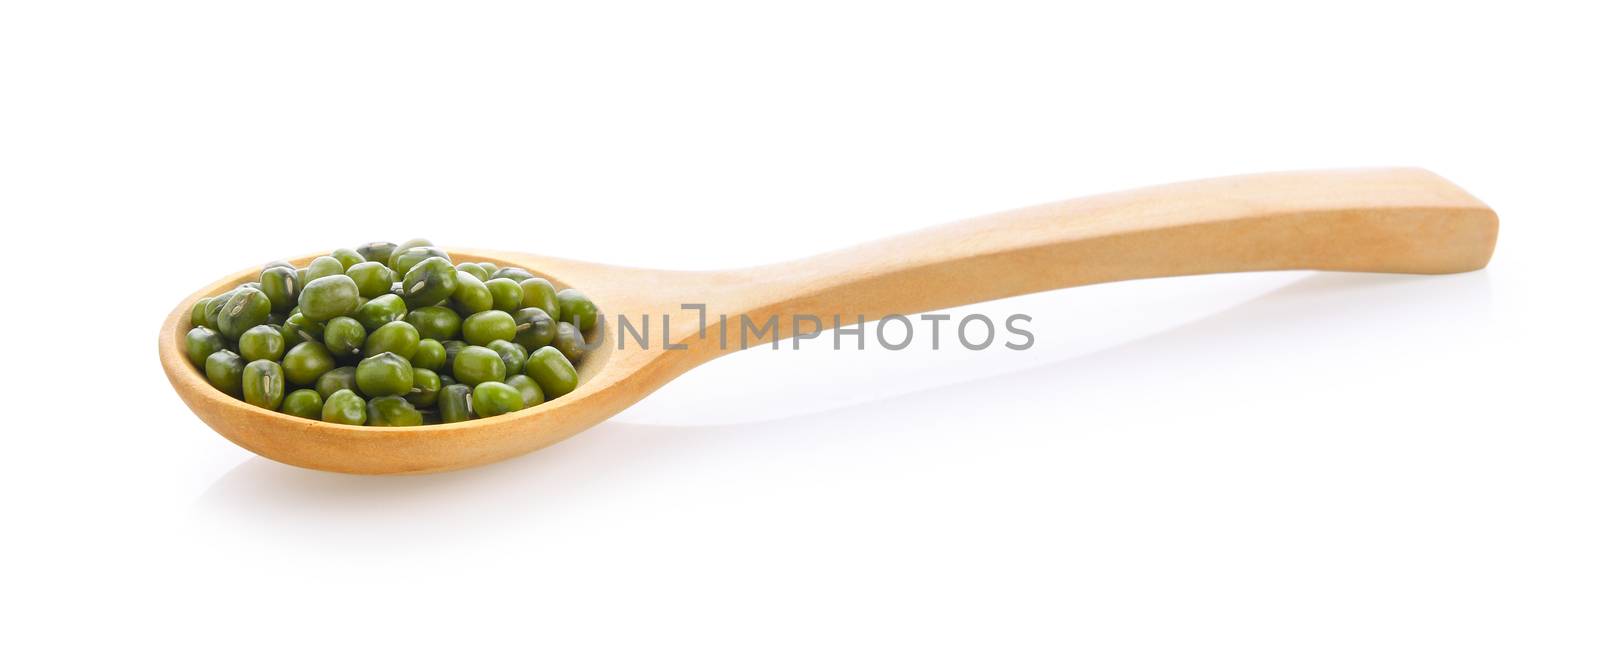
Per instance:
x=1318, y=323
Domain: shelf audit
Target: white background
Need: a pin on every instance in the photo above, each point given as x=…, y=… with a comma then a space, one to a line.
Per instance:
x=1244, y=463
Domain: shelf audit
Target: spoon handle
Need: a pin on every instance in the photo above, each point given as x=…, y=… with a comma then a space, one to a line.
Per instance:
x=1401, y=220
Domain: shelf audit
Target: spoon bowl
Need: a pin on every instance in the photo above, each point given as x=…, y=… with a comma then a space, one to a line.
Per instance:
x=603, y=375
x=1398, y=220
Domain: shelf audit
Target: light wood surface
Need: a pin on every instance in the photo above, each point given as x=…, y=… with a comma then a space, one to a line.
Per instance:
x=1374, y=220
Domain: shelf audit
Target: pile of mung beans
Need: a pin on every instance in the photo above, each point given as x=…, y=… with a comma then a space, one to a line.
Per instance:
x=392, y=335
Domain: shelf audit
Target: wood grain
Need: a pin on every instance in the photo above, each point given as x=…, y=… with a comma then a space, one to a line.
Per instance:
x=1373, y=220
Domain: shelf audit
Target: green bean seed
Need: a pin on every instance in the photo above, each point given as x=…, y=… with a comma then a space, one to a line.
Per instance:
x=532, y=395
x=535, y=328
x=305, y=362
x=378, y=251
x=262, y=342
x=380, y=311
x=451, y=349
x=577, y=308
x=304, y=403
x=432, y=280
x=400, y=338
x=333, y=380
x=507, y=294
x=200, y=343
x=438, y=323
x=429, y=355
x=384, y=374
x=344, y=407
x=225, y=371
x=347, y=258
x=392, y=411
x=471, y=295
x=513, y=274
x=495, y=398
x=197, y=313
x=475, y=365
x=473, y=269
x=483, y=327
x=297, y=329
x=425, y=385
x=344, y=336
x=570, y=342
x=552, y=371
x=372, y=278
x=539, y=293
x=323, y=266
x=329, y=297
x=263, y=384
x=214, y=308
x=246, y=308
x=455, y=403
x=512, y=354
x=405, y=258
x=282, y=288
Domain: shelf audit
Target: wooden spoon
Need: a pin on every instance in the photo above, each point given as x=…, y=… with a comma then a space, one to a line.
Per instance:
x=1379, y=220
